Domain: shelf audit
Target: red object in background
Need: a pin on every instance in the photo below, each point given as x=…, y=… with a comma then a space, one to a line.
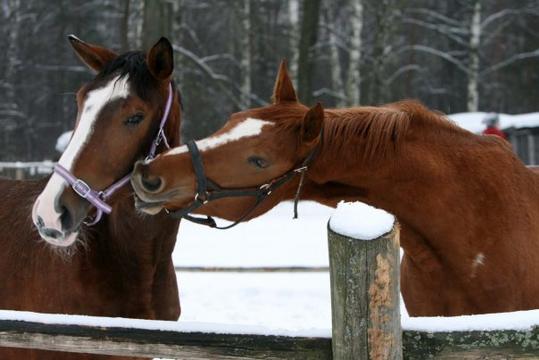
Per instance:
x=491, y=130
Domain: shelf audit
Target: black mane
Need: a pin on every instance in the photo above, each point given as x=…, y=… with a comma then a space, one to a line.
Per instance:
x=132, y=64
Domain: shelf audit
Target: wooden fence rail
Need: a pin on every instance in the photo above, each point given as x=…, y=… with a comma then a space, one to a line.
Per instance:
x=156, y=343
x=146, y=342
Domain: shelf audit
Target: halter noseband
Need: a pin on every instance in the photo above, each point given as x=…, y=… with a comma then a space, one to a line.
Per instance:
x=208, y=190
x=99, y=198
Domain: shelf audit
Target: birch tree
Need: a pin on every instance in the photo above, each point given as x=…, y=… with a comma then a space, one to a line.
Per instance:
x=473, y=76
x=293, y=16
x=353, y=82
x=245, y=53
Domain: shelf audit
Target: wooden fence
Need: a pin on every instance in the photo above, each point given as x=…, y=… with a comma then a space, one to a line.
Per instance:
x=366, y=324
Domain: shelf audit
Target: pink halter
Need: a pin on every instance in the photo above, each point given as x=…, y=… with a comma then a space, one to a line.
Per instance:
x=99, y=198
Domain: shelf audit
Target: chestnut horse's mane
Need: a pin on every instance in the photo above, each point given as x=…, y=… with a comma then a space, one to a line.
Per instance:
x=380, y=129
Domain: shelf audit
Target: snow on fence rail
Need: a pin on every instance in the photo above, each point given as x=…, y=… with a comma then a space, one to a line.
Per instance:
x=365, y=309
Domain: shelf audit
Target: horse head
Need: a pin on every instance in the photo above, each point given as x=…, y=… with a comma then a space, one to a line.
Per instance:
x=118, y=118
x=255, y=148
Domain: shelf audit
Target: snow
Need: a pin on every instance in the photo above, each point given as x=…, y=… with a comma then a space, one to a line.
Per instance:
x=274, y=239
x=298, y=302
x=179, y=326
x=473, y=121
x=361, y=221
x=518, y=320
x=63, y=141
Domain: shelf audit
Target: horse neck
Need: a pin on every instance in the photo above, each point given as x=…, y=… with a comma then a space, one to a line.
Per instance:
x=438, y=180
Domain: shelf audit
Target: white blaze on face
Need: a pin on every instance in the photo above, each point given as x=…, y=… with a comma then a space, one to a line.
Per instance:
x=247, y=128
x=95, y=101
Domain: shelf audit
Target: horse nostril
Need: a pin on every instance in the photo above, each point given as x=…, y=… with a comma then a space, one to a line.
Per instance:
x=66, y=219
x=40, y=223
x=151, y=184
x=52, y=233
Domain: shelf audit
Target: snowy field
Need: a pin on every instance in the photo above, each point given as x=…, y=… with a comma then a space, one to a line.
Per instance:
x=297, y=302
x=292, y=301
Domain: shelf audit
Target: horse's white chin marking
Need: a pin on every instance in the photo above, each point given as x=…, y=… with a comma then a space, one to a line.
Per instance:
x=247, y=128
x=152, y=210
x=45, y=207
x=66, y=241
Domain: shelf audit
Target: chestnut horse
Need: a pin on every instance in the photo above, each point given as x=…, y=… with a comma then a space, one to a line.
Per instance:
x=122, y=265
x=467, y=205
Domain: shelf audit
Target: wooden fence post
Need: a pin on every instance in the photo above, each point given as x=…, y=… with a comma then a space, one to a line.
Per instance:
x=365, y=296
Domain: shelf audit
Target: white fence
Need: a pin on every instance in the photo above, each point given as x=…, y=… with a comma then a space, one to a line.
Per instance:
x=26, y=170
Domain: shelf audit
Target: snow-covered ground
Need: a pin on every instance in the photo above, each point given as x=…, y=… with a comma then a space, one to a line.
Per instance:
x=300, y=303
x=294, y=301
x=274, y=239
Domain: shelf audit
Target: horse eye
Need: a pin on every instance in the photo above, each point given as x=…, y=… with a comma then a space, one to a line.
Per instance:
x=134, y=119
x=258, y=162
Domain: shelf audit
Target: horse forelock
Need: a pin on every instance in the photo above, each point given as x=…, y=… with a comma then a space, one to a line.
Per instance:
x=132, y=64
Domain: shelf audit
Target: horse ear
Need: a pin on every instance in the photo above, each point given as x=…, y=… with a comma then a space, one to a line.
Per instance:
x=160, y=59
x=311, y=126
x=95, y=57
x=283, y=89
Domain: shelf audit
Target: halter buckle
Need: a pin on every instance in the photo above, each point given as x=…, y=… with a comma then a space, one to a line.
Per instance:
x=205, y=201
x=81, y=188
x=301, y=169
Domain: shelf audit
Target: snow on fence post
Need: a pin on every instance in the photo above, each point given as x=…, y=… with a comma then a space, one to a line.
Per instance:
x=364, y=271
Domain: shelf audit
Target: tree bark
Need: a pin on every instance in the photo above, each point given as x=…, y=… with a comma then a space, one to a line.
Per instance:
x=353, y=86
x=157, y=21
x=245, y=51
x=334, y=62
x=308, y=37
x=124, y=26
x=473, y=76
x=293, y=14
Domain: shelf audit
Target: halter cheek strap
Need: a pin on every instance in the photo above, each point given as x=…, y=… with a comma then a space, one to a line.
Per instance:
x=99, y=198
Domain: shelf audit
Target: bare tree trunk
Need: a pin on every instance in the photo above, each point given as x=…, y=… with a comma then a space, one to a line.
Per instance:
x=473, y=76
x=353, y=86
x=9, y=110
x=383, y=20
x=293, y=13
x=334, y=62
x=246, y=65
x=308, y=37
x=124, y=26
x=136, y=23
x=157, y=21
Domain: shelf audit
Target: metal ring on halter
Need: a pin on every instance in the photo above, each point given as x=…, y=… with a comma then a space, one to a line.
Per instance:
x=206, y=195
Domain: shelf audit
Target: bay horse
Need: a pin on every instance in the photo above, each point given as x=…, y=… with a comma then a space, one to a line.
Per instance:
x=467, y=206
x=121, y=266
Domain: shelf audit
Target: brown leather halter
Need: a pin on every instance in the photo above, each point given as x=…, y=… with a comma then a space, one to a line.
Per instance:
x=208, y=190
